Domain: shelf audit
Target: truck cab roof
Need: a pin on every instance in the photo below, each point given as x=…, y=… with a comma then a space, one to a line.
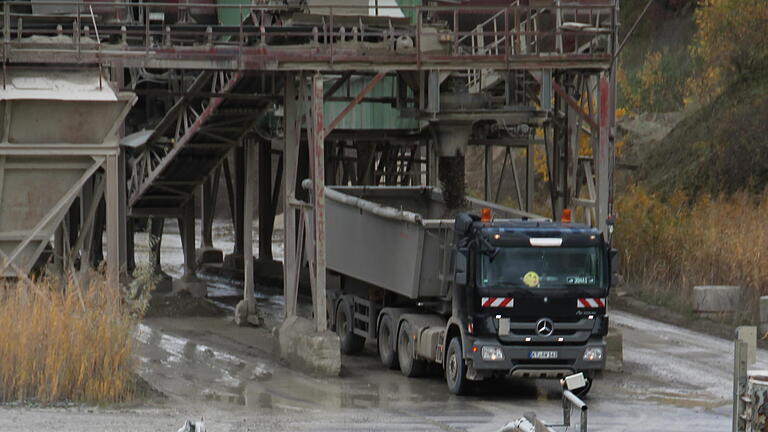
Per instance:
x=530, y=233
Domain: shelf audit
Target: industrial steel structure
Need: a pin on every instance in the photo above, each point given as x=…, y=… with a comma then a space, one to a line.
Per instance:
x=261, y=95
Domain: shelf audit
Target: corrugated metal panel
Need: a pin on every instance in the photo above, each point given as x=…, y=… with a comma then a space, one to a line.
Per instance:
x=368, y=115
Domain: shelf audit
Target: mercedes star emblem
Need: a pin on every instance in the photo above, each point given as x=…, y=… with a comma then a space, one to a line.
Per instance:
x=544, y=327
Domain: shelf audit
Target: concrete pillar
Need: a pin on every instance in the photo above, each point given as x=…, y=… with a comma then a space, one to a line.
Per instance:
x=246, y=312
x=614, y=356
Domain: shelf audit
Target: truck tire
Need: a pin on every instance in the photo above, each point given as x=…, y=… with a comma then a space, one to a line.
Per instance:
x=410, y=366
x=455, y=368
x=350, y=342
x=385, y=341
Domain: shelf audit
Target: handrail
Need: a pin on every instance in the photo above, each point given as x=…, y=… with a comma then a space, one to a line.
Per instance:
x=141, y=39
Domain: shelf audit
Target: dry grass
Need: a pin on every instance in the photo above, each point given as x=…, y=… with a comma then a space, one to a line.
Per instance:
x=670, y=246
x=60, y=341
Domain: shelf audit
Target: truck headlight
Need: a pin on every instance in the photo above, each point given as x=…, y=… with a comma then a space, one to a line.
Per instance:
x=492, y=353
x=593, y=354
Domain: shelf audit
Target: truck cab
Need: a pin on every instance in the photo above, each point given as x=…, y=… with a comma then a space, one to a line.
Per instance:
x=529, y=298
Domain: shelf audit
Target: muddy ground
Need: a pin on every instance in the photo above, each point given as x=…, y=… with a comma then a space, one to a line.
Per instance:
x=674, y=379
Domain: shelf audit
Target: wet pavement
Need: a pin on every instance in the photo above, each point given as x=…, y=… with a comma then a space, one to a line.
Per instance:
x=674, y=380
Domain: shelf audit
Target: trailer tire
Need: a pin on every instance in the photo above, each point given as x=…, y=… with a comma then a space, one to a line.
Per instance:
x=455, y=368
x=350, y=342
x=385, y=341
x=410, y=366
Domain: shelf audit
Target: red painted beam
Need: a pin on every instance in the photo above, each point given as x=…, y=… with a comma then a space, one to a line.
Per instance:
x=573, y=103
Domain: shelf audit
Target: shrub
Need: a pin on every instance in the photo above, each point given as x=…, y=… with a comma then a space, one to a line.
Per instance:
x=730, y=44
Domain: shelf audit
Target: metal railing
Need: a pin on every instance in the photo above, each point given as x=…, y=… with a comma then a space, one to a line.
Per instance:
x=193, y=31
x=529, y=422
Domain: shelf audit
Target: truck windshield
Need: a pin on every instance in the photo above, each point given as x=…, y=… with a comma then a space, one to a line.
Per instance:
x=534, y=267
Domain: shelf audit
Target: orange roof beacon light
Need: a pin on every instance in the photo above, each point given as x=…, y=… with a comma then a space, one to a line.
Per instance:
x=565, y=217
x=485, y=214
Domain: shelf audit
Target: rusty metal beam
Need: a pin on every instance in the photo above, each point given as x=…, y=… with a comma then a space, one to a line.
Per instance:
x=573, y=103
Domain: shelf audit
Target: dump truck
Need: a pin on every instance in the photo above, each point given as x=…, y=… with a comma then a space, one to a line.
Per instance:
x=488, y=292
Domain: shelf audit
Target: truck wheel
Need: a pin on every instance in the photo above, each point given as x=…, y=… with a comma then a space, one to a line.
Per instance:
x=455, y=368
x=386, y=344
x=406, y=353
x=350, y=342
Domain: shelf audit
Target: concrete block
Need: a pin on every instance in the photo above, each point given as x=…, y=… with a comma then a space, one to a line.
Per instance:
x=614, y=357
x=164, y=283
x=299, y=345
x=716, y=298
x=234, y=261
x=191, y=284
x=209, y=256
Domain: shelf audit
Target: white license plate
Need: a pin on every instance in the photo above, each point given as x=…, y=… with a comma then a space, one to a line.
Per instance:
x=542, y=355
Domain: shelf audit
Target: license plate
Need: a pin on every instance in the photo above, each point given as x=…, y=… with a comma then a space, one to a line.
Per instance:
x=542, y=355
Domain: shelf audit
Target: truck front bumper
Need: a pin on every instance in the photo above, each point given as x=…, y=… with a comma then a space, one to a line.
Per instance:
x=530, y=361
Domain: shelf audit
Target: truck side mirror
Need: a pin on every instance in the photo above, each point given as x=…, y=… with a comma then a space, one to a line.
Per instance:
x=613, y=255
x=460, y=267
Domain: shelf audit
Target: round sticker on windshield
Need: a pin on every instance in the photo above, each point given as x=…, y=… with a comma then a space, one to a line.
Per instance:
x=531, y=279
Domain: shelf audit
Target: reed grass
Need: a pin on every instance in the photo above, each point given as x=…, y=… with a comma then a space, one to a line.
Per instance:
x=60, y=341
x=669, y=246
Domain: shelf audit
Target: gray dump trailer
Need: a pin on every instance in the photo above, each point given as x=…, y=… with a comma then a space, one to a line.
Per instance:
x=430, y=284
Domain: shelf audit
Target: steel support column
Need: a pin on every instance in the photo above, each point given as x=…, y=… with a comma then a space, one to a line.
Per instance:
x=317, y=154
x=604, y=159
x=266, y=212
x=187, y=231
x=292, y=127
x=246, y=310
x=112, y=196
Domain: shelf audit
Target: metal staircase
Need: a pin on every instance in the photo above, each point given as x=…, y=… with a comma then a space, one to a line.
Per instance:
x=191, y=140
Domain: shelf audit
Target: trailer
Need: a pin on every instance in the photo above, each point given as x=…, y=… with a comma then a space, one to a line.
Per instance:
x=505, y=293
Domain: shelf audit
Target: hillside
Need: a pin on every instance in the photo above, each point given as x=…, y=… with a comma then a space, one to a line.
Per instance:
x=720, y=148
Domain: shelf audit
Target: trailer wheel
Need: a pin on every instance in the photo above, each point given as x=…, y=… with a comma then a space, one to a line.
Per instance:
x=406, y=352
x=455, y=368
x=385, y=341
x=350, y=342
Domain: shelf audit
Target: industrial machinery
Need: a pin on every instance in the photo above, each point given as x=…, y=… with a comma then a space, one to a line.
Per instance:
x=483, y=297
